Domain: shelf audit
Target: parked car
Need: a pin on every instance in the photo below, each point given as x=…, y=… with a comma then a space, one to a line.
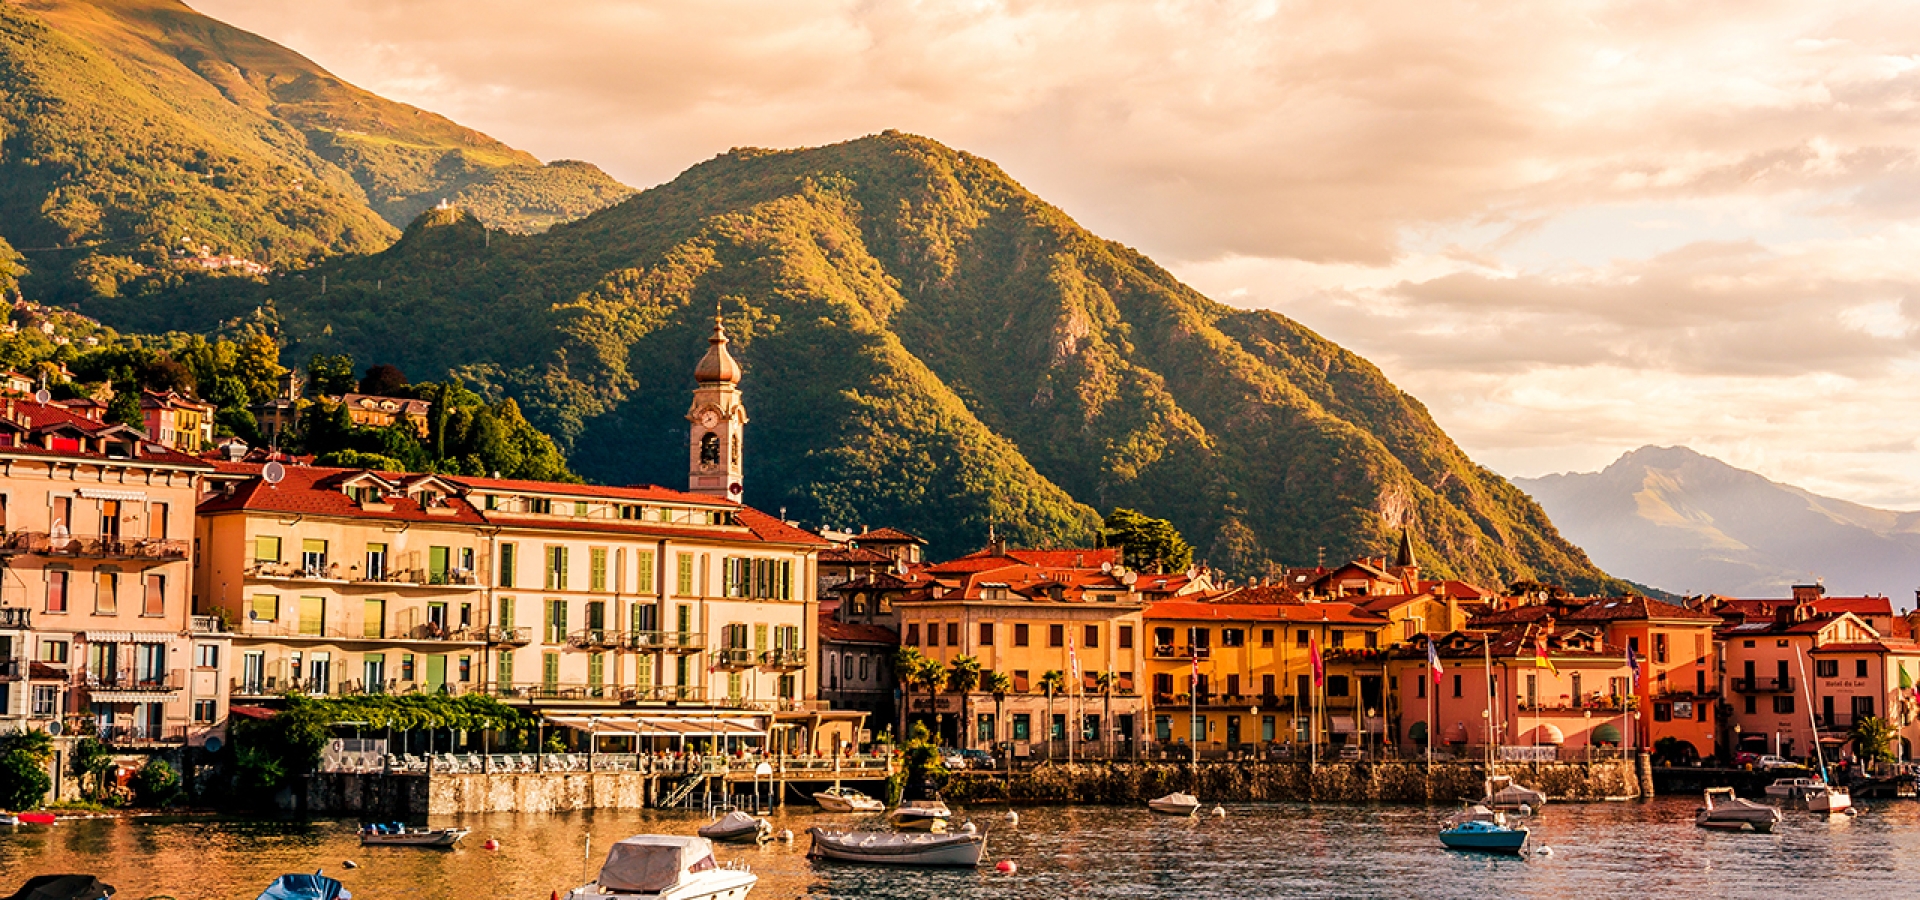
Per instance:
x=1769, y=762
x=1350, y=753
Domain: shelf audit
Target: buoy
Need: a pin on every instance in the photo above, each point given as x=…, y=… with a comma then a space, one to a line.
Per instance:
x=1543, y=851
x=968, y=828
x=491, y=844
x=349, y=864
x=1219, y=812
x=787, y=835
x=1013, y=817
x=1007, y=867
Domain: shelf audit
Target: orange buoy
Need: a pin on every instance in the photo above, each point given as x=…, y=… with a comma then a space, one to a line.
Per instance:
x=1007, y=867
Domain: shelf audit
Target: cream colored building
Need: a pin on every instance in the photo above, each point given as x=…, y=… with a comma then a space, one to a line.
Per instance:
x=96, y=625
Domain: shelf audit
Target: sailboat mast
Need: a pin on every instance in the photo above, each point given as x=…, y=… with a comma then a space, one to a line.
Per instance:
x=1807, y=689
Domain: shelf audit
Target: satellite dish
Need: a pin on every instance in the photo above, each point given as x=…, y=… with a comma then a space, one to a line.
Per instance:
x=213, y=745
x=42, y=395
x=54, y=728
x=1129, y=578
x=1106, y=568
x=273, y=473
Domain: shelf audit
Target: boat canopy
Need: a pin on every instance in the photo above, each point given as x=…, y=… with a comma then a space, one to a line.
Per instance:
x=299, y=886
x=653, y=863
x=63, y=887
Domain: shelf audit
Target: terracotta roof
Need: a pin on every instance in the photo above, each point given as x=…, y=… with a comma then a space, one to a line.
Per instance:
x=301, y=492
x=32, y=417
x=854, y=556
x=1636, y=608
x=832, y=629
x=1337, y=612
x=1260, y=593
x=602, y=492
x=1057, y=559
x=1451, y=588
x=770, y=528
x=890, y=535
x=1518, y=615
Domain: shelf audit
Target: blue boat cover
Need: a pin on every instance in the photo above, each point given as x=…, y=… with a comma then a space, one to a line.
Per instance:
x=305, y=887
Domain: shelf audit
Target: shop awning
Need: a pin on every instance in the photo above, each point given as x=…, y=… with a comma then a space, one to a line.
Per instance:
x=1418, y=733
x=100, y=696
x=1549, y=733
x=660, y=726
x=108, y=637
x=1608, y=733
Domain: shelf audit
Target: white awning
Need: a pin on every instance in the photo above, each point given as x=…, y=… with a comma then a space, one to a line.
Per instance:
x=104, y=494
x=659, y=726
x=152, y=637
x=109, y=637
x=151, y=696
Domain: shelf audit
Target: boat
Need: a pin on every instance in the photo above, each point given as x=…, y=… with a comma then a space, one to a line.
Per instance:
x=1177, y=803
x=1483, y=830
x=298, y=886
x=63, y=887
x=1503, y=793
x=666, y=867
x=1725, y=812
x=27, y=818
x=381, y=834
x=1829, y=800
x=845, y=799
x=963, y=848
x=1792, y=790
x=921, y=815
x=737, y=827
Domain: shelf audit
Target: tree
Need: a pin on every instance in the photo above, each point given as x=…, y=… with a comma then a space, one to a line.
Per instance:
x=1105, y=682
x=964, y=678
x=931, y=675
x=1053, y=682
x=330, y=374
x=1149, y=544
x=906, y=663
x=11, y=269
x=91, y=761
x=384, y=380
x=24, y=781
x=1873, y=739
x=156, y=784
x=999, y=684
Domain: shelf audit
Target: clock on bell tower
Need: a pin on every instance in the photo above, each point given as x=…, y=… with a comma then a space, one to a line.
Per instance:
x=718, y=422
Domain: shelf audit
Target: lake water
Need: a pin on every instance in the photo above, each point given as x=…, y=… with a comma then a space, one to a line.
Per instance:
x=1646, y=849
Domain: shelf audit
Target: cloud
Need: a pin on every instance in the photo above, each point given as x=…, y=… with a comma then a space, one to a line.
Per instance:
x=1570, y=228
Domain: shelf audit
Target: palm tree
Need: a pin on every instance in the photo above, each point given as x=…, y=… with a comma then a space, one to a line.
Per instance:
x=906, y=665
x=1105, y=682
x=997, y=684
x=930, y=675
x=964, y=678
x=1053, y=682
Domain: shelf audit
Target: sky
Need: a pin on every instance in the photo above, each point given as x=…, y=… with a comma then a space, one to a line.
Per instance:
x=1570, y=229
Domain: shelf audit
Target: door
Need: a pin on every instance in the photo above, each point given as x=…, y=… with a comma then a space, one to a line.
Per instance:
x=375, y=613
x=1826, y=711
x=436, y=620
x=253, y=671
x=320, y=673
x=437, y=565
x=436, y=672
x=596, y=619
x=1233, y=731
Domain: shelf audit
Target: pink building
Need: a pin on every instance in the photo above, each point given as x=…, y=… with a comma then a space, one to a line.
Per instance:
x=1837, y=664
x=1577, y=703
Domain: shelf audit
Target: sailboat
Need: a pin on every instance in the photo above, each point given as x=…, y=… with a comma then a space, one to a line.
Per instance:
x=1823, y=797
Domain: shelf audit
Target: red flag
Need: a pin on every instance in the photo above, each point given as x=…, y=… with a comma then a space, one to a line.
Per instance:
x=1196, y=673
x=1319, y=666
x=1433, y=662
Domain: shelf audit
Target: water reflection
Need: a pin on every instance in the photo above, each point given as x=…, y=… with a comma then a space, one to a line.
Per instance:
x=1267, y=850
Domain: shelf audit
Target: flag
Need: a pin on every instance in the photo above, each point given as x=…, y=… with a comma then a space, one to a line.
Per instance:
x=1073, y=660
x=1319, y=666
x=1195, y=686
x=1633, y=665
x=1906, y=681
x=1433, y=662
x=1540, y=658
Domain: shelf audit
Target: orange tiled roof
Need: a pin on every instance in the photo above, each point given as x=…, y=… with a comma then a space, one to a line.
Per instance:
x=832, y=629
x=1337, y=612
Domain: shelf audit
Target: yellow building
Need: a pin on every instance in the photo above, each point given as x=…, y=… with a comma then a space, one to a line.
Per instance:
x=1254, y=686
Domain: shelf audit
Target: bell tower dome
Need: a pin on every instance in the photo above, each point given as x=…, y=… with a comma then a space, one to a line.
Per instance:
x=718, y=419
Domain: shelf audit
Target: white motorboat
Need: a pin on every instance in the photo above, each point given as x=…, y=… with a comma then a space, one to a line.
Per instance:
x=921, y=815
x=737, y=827
x=1725, y=812
x=896, y=849
x=1828, y=799
x=1792, y=790
x=666, y=867
x=1177, y=803
x=1504, y=793
x=846, y=799
x=397, y=835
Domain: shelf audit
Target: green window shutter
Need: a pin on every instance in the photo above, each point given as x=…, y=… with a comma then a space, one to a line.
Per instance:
x=684, y=618
x=437, y=565
x=597, y=569
x=597, y=669
x=644, y=584
x=734, y=685
x=506, y=612
x=685, y=586
x=550, y=670
x=759, y=638
x=506, y=668
x=506, y=565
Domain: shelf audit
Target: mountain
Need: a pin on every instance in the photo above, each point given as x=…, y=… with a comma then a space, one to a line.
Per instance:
x=1682, y=521
x=131, y=129
x=927, y=345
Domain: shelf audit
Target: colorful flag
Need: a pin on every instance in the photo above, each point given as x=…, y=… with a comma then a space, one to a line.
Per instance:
x=1433, y=662
x=1319, y=665
x=1540, y=658
x=1073, y=661
x=1195, y=686
x=1633, y=665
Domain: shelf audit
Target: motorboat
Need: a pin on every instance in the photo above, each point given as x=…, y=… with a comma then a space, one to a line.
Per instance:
x=1792, y=790
x=666, y=867
x=27, y=818
x=63, y=887
x=300, y=886
x=1829, y=800
x=845, y=799
x=921, y=815
x=1483, y=830
x=1503, y=793
x=737, y=827
x=382, y=834
x=1177, y=803
x=964, y=848
x=1725, y=812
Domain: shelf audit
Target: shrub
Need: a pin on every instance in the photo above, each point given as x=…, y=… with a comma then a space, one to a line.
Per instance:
x=24, y=781
x=156, y=784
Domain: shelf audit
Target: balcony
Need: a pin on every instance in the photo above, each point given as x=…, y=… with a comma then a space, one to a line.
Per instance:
x=208, y=625
x=733, y=659
x=785, y=660
x=16, y=618
x=512, y=637
x=597, y=639
x=334, y=573
x=13, y=669
x=1167, y=651
x=141, y=735
x=93, y=546
x=129, y=680
x=669, y=641
x=1764, y=685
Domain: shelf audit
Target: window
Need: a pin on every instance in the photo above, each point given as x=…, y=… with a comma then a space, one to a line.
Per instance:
x=1300, y=638
x=313, y=615
x=1126, y=637
x=1022, y=682
x=53, y=651
x=264, y=608
x=953, y=634
x=206, y=656
x=376, y=562
x=1056, y=635
x=1266, y=637
x=865, y=672
x=1420, y=687
x=985, y=728
x=204, y=711
x=1163, y=684
x=1266, y=685
x=46, y=701
x=1659, y=647
x=644, y=560
x=506, y=565
x=266, y=548
x=1233, y=637
x=556, y=568
x=933, y=634
x=1860, y=670
x=1163, y=728
x=1862, y=707
x=155, y=603
x=157, y=521
x=684, y=584
x=556, y=621
x=1233, y=685
x=580, y=509
x=373, y=618
x=504, y=669
x=1371, y=640
x=597, y=569
x=1020, y=634
x=1826, y=668
x=1456, y=686
x=913, y=634
x=986, y=634
x=1057, y=729
x=1022, y=727
x=1753, y=704
x=1662, y=712
x=106, y=598
x=1338, y=640
x=313, y=558
x=1092, y=636
x=1337, y=685
x=549, y=671
x=57, y=590
x=1783, y=704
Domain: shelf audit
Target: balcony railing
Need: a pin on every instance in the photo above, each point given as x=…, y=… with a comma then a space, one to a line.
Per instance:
x=130, y=679
x=141, y=734
x=16, y=618
x=670, y=641
x=1168, y=651
x=733, y=658
x=501, y=634
x=541, y=690
x=787, y=658
x=208, y=625
x=597, y=638
x=13, y=669
x=93, y=546
x=1764, y=685
x=333, y=571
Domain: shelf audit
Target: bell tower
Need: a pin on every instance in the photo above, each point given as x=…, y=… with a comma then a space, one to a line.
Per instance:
x=718, y=420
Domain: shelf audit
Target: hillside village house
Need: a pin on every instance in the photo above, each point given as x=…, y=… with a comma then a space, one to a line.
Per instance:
x=96, y=625
x=373, y=411
x=177, y=421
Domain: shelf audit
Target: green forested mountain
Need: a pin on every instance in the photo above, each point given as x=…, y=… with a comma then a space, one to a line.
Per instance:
x=927, y=345
x=131, y=130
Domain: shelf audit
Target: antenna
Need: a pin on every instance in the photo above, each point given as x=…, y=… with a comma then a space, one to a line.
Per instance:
x=42, y=395
x=273, y=473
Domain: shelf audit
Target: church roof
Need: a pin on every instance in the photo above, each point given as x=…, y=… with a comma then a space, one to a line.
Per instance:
x=718, y=365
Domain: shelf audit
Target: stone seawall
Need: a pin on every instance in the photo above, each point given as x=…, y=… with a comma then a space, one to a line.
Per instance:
x=1131, y=782
x=402, y=796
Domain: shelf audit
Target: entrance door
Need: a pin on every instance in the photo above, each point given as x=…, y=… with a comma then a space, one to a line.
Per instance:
x=321, y=673
x=436, y=673
x=1233, y=731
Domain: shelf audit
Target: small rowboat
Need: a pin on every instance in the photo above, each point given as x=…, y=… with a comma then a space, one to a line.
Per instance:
x=921, y=815
x=737, y=827
x=845, y=799
x=1177, y=803
x=63, y=887
x=1725, y=812
x=897, y=849
x=305, y=887
x=399, y=836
